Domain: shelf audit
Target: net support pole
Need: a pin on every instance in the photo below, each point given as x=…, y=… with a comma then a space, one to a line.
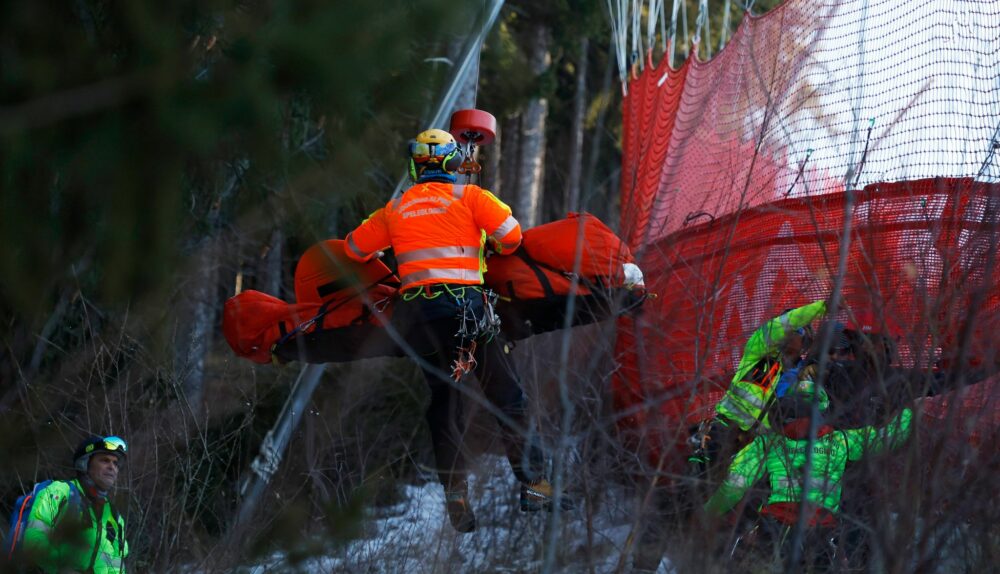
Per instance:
x=272, y=449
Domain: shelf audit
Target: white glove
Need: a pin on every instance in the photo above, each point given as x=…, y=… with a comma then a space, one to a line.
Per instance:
x=633, y=276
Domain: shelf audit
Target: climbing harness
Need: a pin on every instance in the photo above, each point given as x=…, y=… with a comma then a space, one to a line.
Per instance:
x=475, y=327
x=472, y=328
x=465, y=363
x=431, y=292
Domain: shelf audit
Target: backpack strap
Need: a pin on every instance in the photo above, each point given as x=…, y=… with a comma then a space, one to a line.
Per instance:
x=536, y=267
x=99, y=532
x=75, y=499
x=596, y=284
x=324, y=309
x=75, y=496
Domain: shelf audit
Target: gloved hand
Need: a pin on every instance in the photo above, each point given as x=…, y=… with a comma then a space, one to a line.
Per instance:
x=490, y=249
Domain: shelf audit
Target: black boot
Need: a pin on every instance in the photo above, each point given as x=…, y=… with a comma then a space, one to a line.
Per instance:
x=459, y=510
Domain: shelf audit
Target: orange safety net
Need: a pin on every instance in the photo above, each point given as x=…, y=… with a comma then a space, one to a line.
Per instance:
x=733, y=197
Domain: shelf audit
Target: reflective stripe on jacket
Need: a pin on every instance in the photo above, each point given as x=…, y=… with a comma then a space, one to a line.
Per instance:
x=743, y=404
x=783, y=460
x=745, y=400
x=437, y=231
x=60, y=538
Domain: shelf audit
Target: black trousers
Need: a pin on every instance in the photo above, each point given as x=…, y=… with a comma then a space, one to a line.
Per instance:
x=430, y=327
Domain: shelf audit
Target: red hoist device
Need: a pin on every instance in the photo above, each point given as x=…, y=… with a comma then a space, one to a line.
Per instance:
x=472, y=128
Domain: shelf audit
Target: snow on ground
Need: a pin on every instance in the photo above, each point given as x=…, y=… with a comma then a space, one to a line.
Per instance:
x=415, y=536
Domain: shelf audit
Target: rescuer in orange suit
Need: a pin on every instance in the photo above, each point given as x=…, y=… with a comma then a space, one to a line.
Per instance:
x=438, y=231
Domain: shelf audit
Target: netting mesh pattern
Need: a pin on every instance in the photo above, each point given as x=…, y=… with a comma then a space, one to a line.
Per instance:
x=921, y=268
x=734, y=179
x=785, y=109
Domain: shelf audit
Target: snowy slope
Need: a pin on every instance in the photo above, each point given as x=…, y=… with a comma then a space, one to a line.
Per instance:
x=414, y=536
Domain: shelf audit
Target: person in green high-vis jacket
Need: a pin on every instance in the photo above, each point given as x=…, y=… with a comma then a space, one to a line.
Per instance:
x=73, y=526
x=781, y=456
x=775, y=347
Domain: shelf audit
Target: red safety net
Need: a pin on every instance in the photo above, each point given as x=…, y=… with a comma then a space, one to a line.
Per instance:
x=733, y=194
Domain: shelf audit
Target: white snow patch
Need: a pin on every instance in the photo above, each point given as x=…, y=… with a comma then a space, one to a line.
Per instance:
x=415, y=536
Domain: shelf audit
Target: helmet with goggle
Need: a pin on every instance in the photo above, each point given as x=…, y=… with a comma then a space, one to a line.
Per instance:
x=434, y=154
x=94, y=445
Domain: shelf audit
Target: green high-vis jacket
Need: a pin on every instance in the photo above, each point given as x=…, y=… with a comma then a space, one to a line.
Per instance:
x=745, y=400
x=64, y=536
x=783, y=460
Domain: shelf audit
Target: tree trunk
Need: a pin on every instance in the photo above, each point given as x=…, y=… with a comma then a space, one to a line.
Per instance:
x=572, y=199
x=198, y=307
x=532, y=156
x=270, y=268
x=492, y=179
x=510, y=161
x=596, y=141
x=195, y=343
x=614, y=201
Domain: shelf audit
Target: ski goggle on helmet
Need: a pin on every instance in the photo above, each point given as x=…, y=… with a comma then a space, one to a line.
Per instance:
x=94, y=445
x=434, y=148
x=109, y=444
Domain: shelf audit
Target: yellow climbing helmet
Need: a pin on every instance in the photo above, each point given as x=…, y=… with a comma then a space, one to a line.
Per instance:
x=433, y=153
